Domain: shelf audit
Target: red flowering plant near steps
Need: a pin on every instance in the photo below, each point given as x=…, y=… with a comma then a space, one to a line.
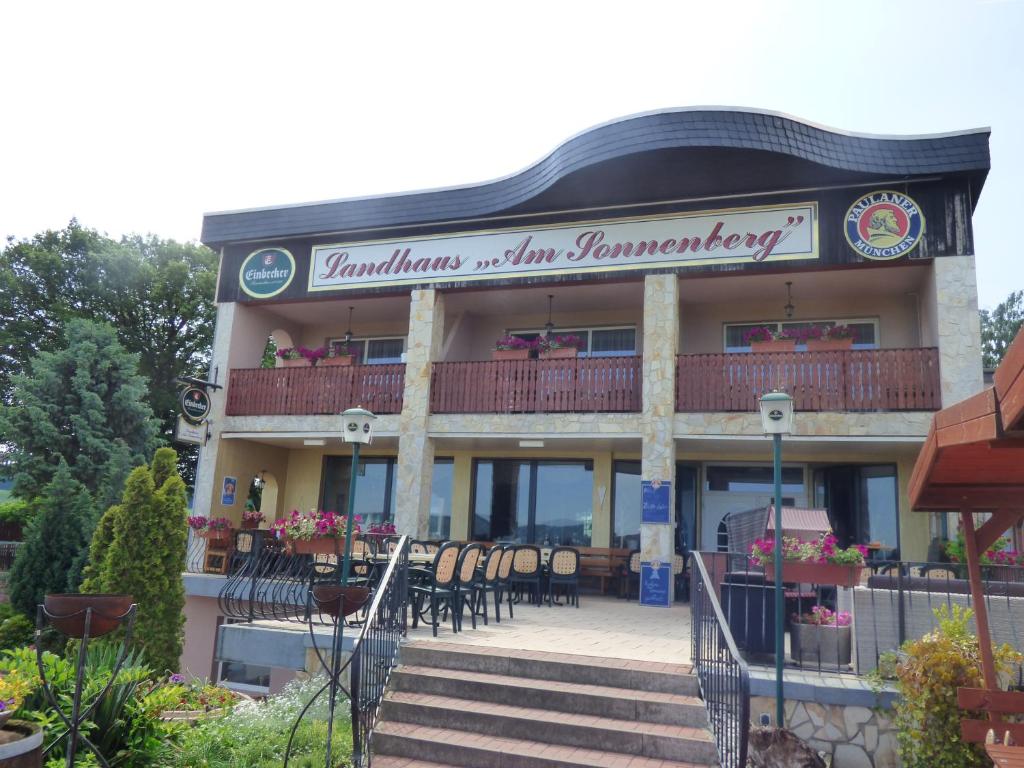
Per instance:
x=315, y=524
x=823, y=550
x=821, y=616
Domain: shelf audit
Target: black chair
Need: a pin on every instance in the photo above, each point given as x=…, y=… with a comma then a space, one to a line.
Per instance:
x=488, y=581
x=564, y=570
x=465, y=581
x=631, y=574
x=504, y=582
x=438, y=587
x=527, y=571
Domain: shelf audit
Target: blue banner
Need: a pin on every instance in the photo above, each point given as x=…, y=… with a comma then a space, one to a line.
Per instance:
x=654, y=501
x=227, y=495
x=654, y=584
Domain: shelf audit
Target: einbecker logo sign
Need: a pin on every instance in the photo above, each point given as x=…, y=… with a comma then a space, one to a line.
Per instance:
x=266, y=272
x=769, y=233
x=884, y=225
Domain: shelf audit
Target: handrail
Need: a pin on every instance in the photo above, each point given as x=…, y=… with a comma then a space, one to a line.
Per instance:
x=722, y=673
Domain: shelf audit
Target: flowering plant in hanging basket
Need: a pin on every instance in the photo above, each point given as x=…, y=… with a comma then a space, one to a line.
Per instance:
x=811, y=562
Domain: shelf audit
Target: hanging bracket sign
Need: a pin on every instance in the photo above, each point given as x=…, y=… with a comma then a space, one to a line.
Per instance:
x=195, y=404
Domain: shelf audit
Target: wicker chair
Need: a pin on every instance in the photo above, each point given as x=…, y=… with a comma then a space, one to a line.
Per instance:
x=526, y=570
x=438, y=589
x=504, y=582
x=465, y=581
x=564, y=570
x=488, y=580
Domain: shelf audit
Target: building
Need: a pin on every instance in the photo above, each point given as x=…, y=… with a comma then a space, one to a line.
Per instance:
x=661, y=240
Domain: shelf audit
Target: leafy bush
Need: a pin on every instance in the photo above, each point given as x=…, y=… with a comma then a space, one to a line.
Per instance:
x=14, y=511
x=255, y=734
x=928, y=675
x=15, y=631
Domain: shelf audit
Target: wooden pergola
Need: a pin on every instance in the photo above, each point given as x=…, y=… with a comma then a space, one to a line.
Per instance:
x=972, y=462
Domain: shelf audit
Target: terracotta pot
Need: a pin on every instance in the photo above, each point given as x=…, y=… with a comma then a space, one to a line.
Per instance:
x=799, y=572
x=510, y=354
x=67, y=613
x=332, y=599
x=829, y=345
x=299, y=362
x=775, y=345
x=21, y=745
x=337, y=360
x=321, y=546
x=250, y=525
x=811, y=645
x=219, y=538
x=562, y=353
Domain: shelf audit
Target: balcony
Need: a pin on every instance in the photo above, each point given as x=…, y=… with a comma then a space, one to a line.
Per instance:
x=857, y=380
x=578, y=385
x=315, y=391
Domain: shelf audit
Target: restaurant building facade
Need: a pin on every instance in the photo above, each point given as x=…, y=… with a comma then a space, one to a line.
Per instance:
x=667, y=244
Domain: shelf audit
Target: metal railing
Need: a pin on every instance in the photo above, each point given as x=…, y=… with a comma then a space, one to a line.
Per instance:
x=722, y=672
x=8, y=551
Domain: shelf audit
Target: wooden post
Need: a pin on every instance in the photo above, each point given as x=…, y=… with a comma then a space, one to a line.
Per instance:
x=988, y=665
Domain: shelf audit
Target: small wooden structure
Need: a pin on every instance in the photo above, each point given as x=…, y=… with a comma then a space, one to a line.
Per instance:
x=973, y=462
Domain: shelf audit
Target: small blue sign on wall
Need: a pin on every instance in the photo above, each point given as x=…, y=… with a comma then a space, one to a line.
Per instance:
x=654, y=501
x=654, y=584
x=227, y=495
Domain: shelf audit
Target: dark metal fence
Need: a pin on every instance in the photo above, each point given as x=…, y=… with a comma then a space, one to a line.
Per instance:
x=722, y=672
x=8, y=549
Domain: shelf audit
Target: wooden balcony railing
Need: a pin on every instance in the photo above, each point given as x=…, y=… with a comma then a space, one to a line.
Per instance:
x=315, y=391
x=855, y=380
x=600, y=384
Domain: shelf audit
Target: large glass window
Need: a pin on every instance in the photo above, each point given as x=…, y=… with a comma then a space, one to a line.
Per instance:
x=597, y=342
x=863, y=505
x=239, y=676
x=866, y=332
x=626, y=505
x=376, y=351
x=533, y=501
x=375, y=491
x=440, y=525
x=742, y=479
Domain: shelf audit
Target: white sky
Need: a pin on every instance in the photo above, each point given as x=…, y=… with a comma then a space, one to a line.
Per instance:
x=140, y=116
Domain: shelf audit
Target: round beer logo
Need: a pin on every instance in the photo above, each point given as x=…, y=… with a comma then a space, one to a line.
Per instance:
x=195, y=404
x=884, y=225
x=266, y=272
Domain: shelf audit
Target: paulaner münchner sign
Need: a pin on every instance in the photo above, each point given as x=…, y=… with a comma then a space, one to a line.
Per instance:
x=769, y=233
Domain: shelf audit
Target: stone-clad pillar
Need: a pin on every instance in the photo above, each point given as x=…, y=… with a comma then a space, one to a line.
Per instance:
x=958, y=327
x=660, y=342
x=415, y=449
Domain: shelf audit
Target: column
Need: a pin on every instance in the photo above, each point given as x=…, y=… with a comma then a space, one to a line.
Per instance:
x=957, y=327
x=660, y=342
x=415, y=449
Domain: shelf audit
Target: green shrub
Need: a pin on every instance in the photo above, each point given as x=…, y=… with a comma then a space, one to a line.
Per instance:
x=927, y=676
x=15, y=631
x=14, y=511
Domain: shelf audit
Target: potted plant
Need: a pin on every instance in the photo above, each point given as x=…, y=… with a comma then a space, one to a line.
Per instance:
x=14, y=687
x=765, y=338
x=555, y=347
x=339, y=354
x=315, y=532
x=190, y=702
x=821, y=637
x=251, y=518
x=380, y=531
x=216, y=530
x=811, y=562
x=21, y=744
x=512, y=348
x=831, y=338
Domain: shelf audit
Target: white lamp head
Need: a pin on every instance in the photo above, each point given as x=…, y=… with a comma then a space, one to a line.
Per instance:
x=357, y=426
x=776, y=413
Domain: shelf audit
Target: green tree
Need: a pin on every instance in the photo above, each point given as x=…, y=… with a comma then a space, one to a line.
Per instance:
x=999, y=327
x=138, y=548
x=52, y=541
x=84, y=404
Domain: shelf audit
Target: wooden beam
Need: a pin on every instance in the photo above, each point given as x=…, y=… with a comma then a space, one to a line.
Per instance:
x=934, y=498
x=1000, y=522
x=975, y=731
x=1005, y=702
x=988, y=664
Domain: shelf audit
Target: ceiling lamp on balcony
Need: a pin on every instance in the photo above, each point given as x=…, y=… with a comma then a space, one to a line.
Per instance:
x=789, y=308
x=549, y=327
x=348, y=333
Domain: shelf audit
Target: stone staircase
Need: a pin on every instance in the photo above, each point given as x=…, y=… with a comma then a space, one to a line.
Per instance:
x=475, y=706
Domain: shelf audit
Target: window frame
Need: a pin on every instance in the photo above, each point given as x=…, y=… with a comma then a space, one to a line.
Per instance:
x=589, y=331
x=364, y=342
x=873, y=321
x=218, y=669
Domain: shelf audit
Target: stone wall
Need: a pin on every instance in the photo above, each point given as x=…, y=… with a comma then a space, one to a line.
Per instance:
x=957, y=327
x=854, y=736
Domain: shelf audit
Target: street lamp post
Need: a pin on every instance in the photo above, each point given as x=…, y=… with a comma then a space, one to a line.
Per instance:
x=777, y=420
x=357, y=429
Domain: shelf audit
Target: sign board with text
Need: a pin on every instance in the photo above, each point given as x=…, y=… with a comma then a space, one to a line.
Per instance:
x=655, y=583
x=655, y=496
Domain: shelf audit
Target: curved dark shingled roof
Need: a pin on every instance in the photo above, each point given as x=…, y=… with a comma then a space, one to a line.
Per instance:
x=859, y=155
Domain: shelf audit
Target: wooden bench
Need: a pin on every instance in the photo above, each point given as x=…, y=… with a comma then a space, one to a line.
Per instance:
x=603, y=563
x=1000, y=737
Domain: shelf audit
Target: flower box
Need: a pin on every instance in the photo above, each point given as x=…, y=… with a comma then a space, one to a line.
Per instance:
x=250, y=525
x=193, y=716
x=558, y=353
x=510, y=354
x=826, y=645
x=219, y=538
x=338, y=360
x=775, y=345
x=829, y=345
x=325, y=545
x=801, y=572
x=299, y=362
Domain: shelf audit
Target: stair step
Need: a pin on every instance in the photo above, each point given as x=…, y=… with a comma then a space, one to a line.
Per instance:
x=562, y=667
x=570, y=698
x=471, y=750
x=390, y=761
x=671, y=742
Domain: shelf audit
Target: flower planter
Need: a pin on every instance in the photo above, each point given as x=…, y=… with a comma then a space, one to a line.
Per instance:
x=197, y=715
x=21, y=745
x=217, y=539
x=799, y=572
x=299, y=362
x=67, y=613
x=775, y=345
x=321, y=546
x=562, y=353
x=510, y=354
x=826, y=645
x=829, y=345
x=250, y=525
x=333, y=599
x=337, y=360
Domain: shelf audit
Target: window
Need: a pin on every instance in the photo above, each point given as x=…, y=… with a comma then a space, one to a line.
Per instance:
x=863, y=505
x=375, y=351
x=541, y=502
x=744, y=479
x=375, y=491
x=626, y=505
x=866, y=332
x=597, y=342
x=440, y=525
x=239, y=676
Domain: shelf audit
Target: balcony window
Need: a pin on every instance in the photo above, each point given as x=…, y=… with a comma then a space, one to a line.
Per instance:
x=866, y=330
x=440, y=525
x=597, y=342
x=375, y=491
x=376, y=351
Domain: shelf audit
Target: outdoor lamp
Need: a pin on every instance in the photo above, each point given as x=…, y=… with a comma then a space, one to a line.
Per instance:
x=357, y=426
x=777, y=413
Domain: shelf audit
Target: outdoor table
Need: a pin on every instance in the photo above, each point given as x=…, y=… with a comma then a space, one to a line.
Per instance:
x=1006, y=756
